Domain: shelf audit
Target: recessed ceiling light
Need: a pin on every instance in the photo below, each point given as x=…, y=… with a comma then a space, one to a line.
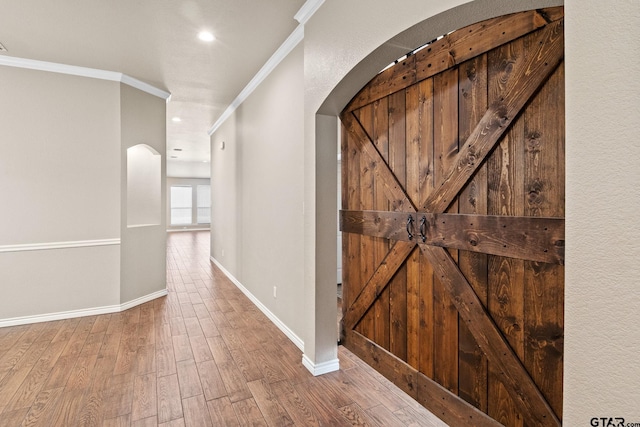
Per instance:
x=176, y=119
x=206, y=36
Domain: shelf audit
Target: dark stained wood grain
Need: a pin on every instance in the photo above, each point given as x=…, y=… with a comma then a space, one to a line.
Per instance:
x=505, y=197
x=412, y=311
x=398, y=312
x=445, y=150
x=391, y=367
x=366, y=190
x=468, y=144
x=475, y=40
x=552, y=13
x=449, y=407
x=543, y=290
x=392, y=186
x=352, y=283
x=522, y=237
x=519, y=384
x=502, y=112
x=379, y=223
x=380, y=280
x=387, y=82
x=472, y=102
x=381, y=246
x=451, y=50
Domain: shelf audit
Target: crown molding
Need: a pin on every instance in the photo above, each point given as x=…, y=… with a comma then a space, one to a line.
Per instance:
x=145, y=87
x=307, y=10
x=285, y=49
x=73, y=70
x=302, y=16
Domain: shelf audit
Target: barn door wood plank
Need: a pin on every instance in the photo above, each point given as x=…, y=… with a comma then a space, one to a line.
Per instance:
x=398, y=165
x=392, y=187
x=544, y=196
x=392, y=80
x=551, y=14
x=378, y=282
x=514, y=376
x=475, y=40
x=398, y=310
x=513, y=266
x=451, y=50
x=429, y=393
x=380, y=136
x=472, y=102
x=522, y=237
x=414, y=178
x=505, y=197
x=367, y=189
x=535, y=239
x=353, y=282
x=385, y=362
x=527, y=79
x=445, y=151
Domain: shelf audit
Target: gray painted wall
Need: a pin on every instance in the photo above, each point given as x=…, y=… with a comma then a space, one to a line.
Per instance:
x=60, y=182
x=257, y=182
x=63, y=234
x=143, y=249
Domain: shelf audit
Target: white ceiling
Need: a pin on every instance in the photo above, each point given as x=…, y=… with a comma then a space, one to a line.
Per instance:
x=156, y=41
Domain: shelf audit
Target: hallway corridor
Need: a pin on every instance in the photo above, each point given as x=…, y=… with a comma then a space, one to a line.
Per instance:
x=202, y=356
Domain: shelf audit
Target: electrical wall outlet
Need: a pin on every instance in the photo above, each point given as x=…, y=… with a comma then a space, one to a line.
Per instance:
x=275, y=292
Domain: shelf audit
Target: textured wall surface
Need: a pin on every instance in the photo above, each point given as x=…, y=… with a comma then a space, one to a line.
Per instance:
x=602, y=366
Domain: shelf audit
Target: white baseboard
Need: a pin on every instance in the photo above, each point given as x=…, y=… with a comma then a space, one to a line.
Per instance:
x=288, y=332
x=320, y=368
x=26, y=320
x=146, y=298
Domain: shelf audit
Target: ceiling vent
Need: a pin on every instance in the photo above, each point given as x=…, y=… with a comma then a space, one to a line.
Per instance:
x=2, y=48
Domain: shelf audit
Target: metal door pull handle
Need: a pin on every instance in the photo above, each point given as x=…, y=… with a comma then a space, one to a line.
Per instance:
x=410, y=227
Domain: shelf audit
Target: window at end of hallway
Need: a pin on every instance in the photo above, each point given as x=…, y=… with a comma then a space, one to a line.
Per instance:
x=203, y=198
x=181, y=205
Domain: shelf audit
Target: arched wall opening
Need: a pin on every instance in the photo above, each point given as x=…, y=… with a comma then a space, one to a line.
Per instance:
x=338, y=85
x=144, y=186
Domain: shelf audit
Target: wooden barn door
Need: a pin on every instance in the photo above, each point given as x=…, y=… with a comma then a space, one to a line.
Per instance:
x=452, y=214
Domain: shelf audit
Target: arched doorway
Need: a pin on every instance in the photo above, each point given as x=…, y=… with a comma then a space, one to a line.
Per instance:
x=453, y=148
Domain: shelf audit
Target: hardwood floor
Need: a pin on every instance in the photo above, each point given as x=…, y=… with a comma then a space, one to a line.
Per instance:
x=202, y=356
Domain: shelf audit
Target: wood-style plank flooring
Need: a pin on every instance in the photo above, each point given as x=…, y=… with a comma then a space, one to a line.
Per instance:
x=202, y=356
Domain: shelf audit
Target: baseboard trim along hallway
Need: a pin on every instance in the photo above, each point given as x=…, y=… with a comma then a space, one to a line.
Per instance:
x=276, y=321
x=70, y=314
